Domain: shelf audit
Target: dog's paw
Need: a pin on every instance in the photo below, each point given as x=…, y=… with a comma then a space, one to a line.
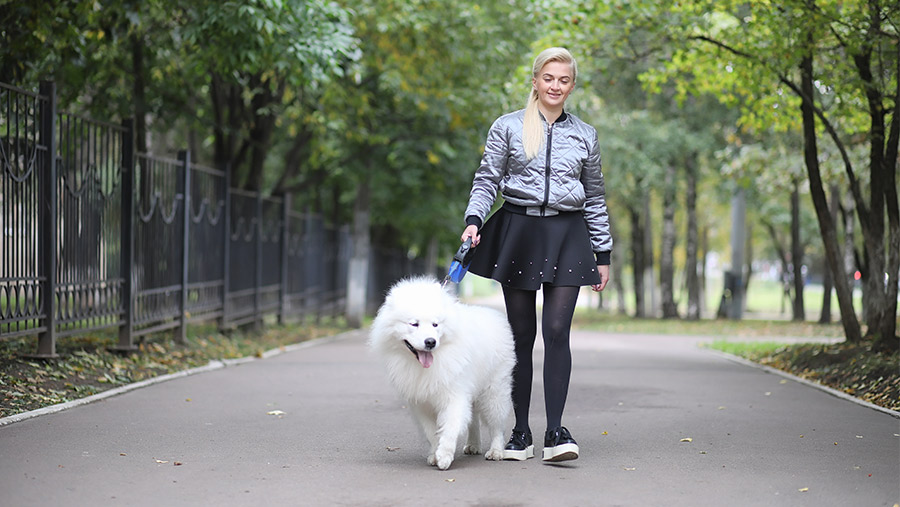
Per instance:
x=494, y=455
x=432, y=460
x=472, y=449
x=444, y=460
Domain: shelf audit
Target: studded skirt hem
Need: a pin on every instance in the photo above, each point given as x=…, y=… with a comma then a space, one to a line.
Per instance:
x=524, y=251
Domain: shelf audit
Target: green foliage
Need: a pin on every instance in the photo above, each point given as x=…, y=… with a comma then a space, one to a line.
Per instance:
x=411, y=114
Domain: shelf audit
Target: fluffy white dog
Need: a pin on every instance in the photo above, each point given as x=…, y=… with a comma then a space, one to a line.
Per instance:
x=451, y=362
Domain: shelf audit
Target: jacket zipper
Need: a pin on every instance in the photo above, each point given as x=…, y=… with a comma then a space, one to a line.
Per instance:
x=547, y=170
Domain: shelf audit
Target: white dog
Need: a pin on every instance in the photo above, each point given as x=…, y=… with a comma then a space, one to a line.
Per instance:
x=451, y=362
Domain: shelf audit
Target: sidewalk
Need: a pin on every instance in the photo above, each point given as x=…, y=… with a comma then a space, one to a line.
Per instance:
x=659, y=422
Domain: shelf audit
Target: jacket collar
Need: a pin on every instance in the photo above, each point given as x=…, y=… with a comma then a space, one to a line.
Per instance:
x=562, y=117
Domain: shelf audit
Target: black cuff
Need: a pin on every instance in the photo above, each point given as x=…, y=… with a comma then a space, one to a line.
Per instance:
x=473, y=220
x=603, y=258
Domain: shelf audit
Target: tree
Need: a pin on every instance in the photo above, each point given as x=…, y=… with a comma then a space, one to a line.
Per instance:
x=407, y=121
x=259, y=57
x=830, y=69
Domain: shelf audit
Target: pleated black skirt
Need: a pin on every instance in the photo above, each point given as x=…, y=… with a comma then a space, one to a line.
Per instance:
x=524, y=251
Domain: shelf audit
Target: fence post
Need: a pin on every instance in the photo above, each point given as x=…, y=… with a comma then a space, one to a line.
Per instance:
x=48, y=236
x=184, y=157
x=285, y=237
x=257, y=296
x=226, y=261
x=126, y=339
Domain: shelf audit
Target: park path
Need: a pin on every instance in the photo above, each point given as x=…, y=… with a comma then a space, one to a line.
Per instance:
x=659, y=422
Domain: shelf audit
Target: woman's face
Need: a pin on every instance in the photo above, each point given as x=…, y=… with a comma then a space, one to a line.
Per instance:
x=554, y=83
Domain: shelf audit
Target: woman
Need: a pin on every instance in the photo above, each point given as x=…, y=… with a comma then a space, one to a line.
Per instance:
x=545, y=163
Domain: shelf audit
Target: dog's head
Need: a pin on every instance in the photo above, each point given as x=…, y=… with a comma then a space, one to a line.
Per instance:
x=414, y=316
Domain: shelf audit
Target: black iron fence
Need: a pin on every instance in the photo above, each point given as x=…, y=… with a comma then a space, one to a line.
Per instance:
x=95, y=236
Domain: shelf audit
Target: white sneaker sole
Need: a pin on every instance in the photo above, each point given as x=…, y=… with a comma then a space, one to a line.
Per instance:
x=562, y=452
x=522, y=455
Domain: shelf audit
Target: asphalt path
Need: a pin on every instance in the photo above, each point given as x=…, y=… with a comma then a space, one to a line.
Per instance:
x=659, y=420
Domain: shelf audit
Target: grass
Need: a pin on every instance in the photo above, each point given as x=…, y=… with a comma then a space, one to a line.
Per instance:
x=616, y=323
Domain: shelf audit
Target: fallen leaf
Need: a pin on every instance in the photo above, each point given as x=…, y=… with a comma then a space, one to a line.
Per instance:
x=122, y=454
x=392, y=449
x=605, y=433
x=687, y=439
x=187, y=399
x=177, y=463
x=859, y=436
x=274, y=412
x=702, y=452
x=629, y=469
x=450, y=480
x=161, y=461
x=721, y=408
x=768, y=393
x=803, y=490
x=783, y=382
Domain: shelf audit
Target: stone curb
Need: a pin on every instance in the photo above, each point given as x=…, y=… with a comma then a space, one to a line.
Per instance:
x=211, y=366
x=829, y=390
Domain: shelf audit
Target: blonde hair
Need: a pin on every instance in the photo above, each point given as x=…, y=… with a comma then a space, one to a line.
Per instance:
x=532, y=131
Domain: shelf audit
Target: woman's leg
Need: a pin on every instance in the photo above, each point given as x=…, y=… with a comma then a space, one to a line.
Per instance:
x=559, y=307
x=522, y=315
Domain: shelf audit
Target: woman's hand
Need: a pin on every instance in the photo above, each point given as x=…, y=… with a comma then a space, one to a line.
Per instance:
x=603, y=271
x=471, y=232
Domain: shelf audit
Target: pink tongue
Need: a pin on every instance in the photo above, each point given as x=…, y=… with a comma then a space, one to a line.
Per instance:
x=425, y=358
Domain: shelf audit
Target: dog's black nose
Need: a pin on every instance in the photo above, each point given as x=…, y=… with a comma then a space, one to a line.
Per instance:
x=430, y=343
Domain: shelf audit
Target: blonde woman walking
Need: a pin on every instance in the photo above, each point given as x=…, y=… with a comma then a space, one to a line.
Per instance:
x=551, y=234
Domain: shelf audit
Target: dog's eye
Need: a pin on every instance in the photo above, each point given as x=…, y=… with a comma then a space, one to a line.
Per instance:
x=434, y=324
x=414, y=323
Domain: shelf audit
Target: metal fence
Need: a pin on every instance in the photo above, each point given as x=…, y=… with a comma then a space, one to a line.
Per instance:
x=96, y=236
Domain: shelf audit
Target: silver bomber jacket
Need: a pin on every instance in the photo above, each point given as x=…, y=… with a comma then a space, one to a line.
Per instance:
x=565, y=175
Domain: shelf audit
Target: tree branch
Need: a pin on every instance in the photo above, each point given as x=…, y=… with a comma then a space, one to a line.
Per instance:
x=829, y=128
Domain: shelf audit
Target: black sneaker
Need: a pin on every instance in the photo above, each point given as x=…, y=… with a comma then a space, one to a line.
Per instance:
x=559, y=445
x=520, y=446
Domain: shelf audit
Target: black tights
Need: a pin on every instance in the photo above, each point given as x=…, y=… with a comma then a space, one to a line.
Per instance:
x=559, y=307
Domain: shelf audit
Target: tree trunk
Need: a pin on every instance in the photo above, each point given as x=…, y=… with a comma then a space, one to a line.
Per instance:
x=619, y=285
x=799, y=314
x=828, y=280
x=691, y=280
x=667, y=253
x=748, y=263
x=704, y=250
x=139, y=89
x=637, y=260
x=883, y=266
x=358, y=272
x=649, y=277
x=738, y=222
x=820, y=202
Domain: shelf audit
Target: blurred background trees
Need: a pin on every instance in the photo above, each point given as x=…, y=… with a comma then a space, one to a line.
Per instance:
x=373, y=113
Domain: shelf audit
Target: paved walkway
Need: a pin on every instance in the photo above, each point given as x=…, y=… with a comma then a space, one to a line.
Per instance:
x=659, y=422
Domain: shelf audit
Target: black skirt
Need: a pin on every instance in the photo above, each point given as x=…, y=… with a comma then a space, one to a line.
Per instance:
x=524, y=251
